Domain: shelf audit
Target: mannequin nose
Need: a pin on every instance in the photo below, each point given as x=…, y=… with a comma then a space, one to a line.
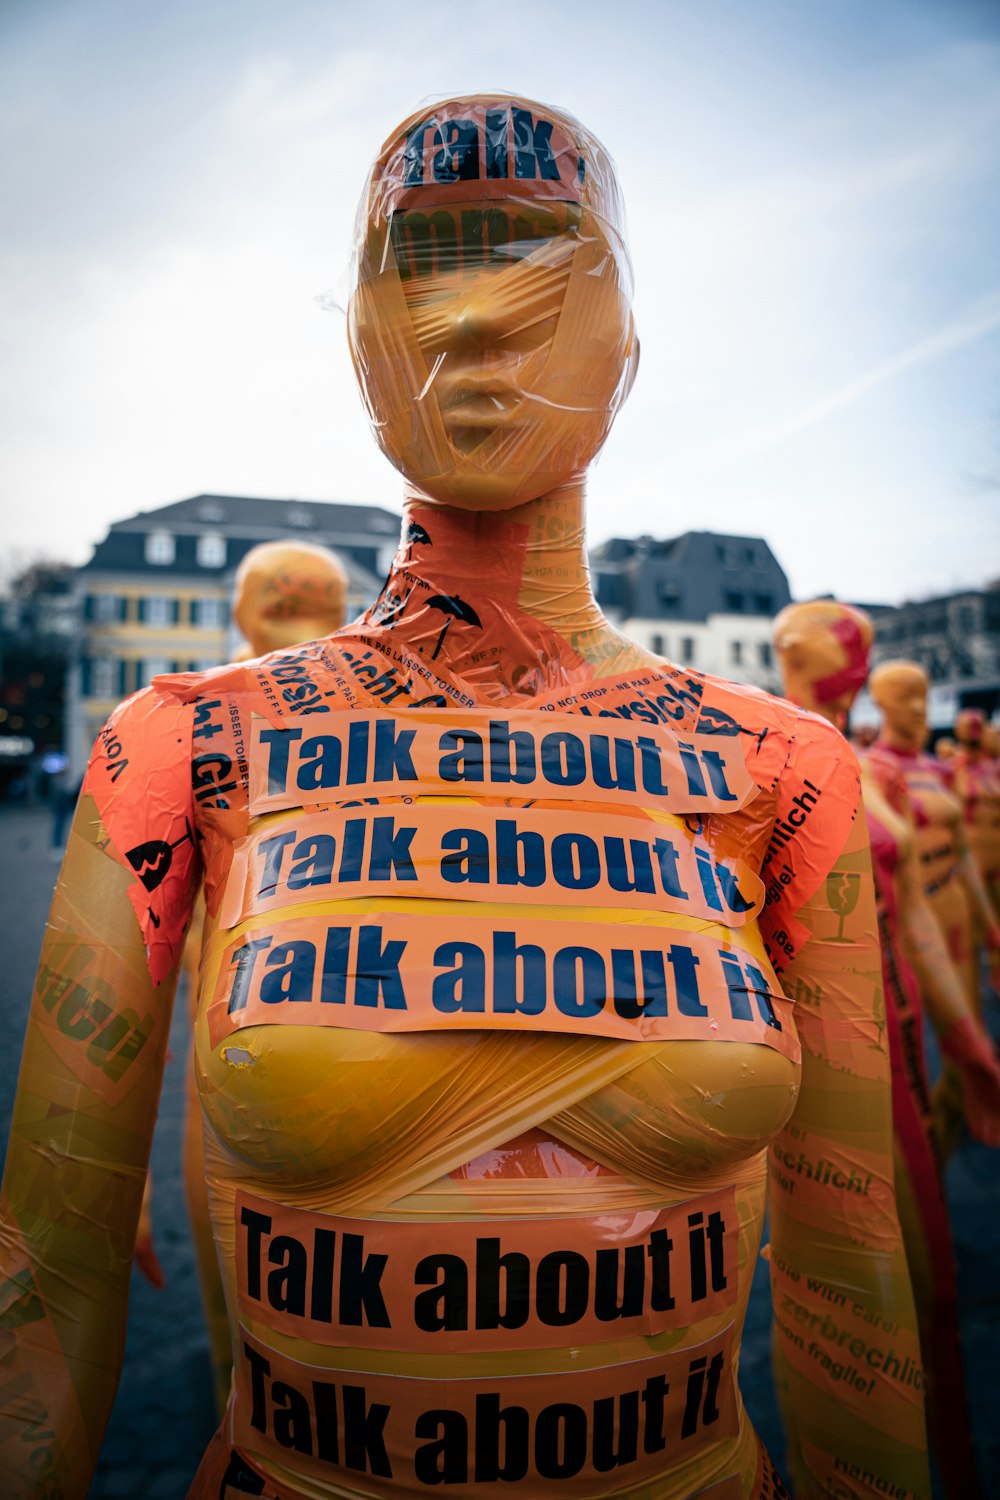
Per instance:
x=478, y=321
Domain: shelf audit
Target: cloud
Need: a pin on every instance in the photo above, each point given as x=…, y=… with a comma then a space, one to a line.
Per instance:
x=978, y=320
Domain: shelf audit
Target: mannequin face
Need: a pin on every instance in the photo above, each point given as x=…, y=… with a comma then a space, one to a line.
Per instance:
x=491, y=334
x=969, y=728
x=901, y=694
x=287, y=593
x=822, y=648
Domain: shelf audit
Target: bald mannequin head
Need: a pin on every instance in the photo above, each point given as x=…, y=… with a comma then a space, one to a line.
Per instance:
x=969, y=726
x=822, y=648
x=899, y=688
x=287, y=593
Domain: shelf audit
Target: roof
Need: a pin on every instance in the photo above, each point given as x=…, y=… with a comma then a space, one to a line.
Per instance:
x=245, y=515
x=690, y=577
x=356, y=532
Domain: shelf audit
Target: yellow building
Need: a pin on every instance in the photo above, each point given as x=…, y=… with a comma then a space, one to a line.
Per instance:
x=155, y=595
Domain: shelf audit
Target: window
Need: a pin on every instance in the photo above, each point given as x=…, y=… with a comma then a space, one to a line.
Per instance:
x=103, y=677
x=210, y=550
x=105, y=608
x=154, y=666
x=732, y=602
x=158, y=611
x=667, y=591
x=210, y=614
x=687, y=650
x=765, y=653
x=764, y=604
x=736, y=653
x=160, y=548
x=656, y=644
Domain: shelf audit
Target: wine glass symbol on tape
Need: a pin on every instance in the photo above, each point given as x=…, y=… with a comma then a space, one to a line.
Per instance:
x=152, y=859
x=843, y=889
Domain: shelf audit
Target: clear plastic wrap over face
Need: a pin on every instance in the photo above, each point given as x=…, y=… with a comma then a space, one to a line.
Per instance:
x=490, y=320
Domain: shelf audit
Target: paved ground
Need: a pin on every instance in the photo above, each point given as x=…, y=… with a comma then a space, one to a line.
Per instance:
x=162, y=1417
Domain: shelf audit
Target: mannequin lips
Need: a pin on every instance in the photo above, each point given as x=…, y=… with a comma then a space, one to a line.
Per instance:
x=474, y=403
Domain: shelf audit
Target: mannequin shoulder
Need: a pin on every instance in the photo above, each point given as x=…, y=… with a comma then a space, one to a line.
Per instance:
x=731, y=707
x=147, y=733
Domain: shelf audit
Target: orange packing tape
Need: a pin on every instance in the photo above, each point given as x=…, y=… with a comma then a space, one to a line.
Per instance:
x=472, y=853
x=85, y=1022
x=853, y=1478
x=431, y=1287
x=807, y=1181
x=418, y=971
x=589, y=1432
x=41, y=1412
x=554, y=756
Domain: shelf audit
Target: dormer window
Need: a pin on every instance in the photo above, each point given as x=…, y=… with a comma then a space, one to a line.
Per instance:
x=211, y=550
x=160, y=548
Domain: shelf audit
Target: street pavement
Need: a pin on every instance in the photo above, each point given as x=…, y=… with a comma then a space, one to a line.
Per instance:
x=163, y=1415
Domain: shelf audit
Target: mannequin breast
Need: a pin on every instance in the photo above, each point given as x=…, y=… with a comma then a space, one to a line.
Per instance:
x=938, y=814
x=336, y=1109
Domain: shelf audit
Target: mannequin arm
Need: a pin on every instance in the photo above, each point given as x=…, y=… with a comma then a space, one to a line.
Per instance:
x=978, y=894
x=82, y=1124
x=86, y=1099
x=846, y=1353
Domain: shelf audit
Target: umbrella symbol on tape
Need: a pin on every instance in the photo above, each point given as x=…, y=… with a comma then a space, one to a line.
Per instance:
x=456, y=609
x=415, y=533
x=151, y=860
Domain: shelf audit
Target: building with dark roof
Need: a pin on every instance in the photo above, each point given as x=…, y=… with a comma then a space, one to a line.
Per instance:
x=956, y=639
x=155, y=595
x=704, y=599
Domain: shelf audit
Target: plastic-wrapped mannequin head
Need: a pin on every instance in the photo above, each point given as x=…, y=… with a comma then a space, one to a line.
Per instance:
x=899, y=688
x=969, y=726
x=490, y=320
x=822, y=649
x=288, y=592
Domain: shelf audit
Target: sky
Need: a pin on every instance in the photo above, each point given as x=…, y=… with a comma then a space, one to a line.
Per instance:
x=813, y=195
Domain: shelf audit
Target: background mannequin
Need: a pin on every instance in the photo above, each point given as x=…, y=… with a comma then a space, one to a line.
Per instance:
x=492, y=331
x=976, y=780
x=819, y=646
x=951, y=880
x=288, y=592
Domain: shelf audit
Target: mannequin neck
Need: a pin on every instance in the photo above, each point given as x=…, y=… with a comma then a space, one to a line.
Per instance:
x=900, y=740
x=533, y=556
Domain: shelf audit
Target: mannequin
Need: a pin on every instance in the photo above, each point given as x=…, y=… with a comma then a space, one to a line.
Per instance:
x=505, y=1019
x=287, y=593
x=976, y=780
x=822, y=649
x=952, y=882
